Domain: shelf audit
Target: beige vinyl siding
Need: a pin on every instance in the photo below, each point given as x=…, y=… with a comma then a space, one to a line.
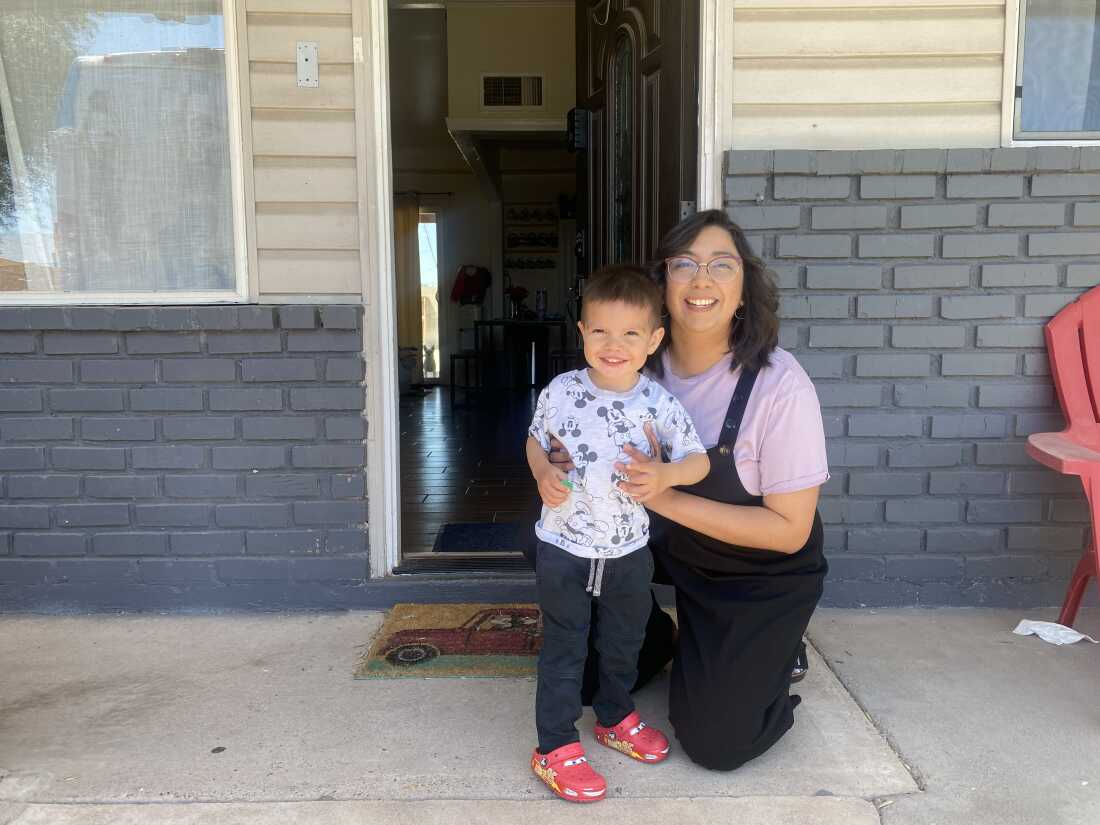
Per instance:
x=303, y=146
x=867, y=74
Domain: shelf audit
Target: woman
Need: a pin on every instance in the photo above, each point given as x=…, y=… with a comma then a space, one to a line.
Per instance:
x=743, y=547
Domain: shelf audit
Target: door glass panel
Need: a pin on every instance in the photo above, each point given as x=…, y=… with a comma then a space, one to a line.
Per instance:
x=621, y=185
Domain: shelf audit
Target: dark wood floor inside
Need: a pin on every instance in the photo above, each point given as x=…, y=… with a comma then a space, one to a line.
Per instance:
x=463, y=462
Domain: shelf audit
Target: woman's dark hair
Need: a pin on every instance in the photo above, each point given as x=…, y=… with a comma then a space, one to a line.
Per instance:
x=755, y=334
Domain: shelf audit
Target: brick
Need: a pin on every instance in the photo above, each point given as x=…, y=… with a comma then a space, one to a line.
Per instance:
x=788, y=337
x=1065, y=186
x=922, y=510
x=945, y=215
x=893, y=306
x=340, y=317
x=345, y=428
x=233, y=570
x=24, y=516
x=249, y=458
x=834, y=428
x=1002, y=454
x=1086, y=275
x=253, y=317
x=785, y=277
x=846, y=336
x=1010, y=335
x=162, y=343
x=45, y=486
x=998, y=567
x=966, y=483
x=745, y=188
x=165, y=400
x=36, y=371
x=794, y=161
x=749, y=160
x=822, y=366
x=1030, y=274
x=869, y=366
x=849, y=511
x=329, y=512
x=117, y=429
x=74, y=343
x=985, y=186
x=858, y=568
x=931, y=277
x=120, y=487
x=201, y=486
x=1089, y=159
x=1036, y=364
x=129, y=544
x=844, y=277
x=214, y=317
x=897, y=187
x=92, y=515
x=86, y=458
x=91, y=318
x=1055, y=157
x=1064, y=243
x=1015, y=395
x=846, y=454
x=22, y=458
x=987, y=245
x=329, y=570
x=1011, y=160
x=964, y=539
x=172, y=319
x=766, y=217
x=36, y=429
x=84, y=400
x=331, y=398
x=967, y=160
x=278, y=369
x=20, y=400
x=232, y=343
x=252, y=515
x=897, y=246
x=212, y=543
x=285, y=542
x=926, y=455
x=1085, y=214
x=1010, y=511
x=1039, y=423
x=298, y=317
x=157, y=571
x=282, y=427
x=971, y=363
x=850, y=395
x=848, y=217
x=346, y=541
x=355, y=486
x=924, y=568
x=21, y=572
x=334, y=456
x=926, y=337
x=344, y=369
x=878, y=161
x=172, y=515
x=758, y=244
x=169, y=457
x=1045, y=538
x=118, y=371
x=817, y=306
x=198, y=428
x=1069, y=509
x=1042, y=481
x=886, y=484
x=324, y=341
x=885, y=425
x=198, y=370
x=940, y=394
x=49, y=544
x=1044, y=306
x=923, y=160
x=1026, y=214
x=885, y=540
x=282, y=486
x=814, y=246
x=253, y=398
x=969, y=426
x=978, y=306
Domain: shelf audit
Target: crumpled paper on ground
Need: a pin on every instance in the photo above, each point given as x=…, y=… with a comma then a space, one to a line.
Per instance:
x=1056, y=634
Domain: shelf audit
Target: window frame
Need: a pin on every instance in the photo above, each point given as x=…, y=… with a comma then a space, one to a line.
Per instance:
x=244, y=286
x=1013, y=69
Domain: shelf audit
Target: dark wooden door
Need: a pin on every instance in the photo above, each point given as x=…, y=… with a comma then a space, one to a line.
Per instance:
x=637, y=67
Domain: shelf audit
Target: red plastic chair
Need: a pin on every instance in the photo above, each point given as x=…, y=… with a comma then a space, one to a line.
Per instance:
x=1073, y=344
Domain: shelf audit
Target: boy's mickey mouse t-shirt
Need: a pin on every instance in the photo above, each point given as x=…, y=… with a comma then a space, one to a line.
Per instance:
x=598, y=520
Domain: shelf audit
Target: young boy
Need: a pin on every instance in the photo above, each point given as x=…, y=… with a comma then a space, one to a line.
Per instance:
x=593, y=536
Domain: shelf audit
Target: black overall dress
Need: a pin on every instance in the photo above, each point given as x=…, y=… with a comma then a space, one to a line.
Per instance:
x=742, y=613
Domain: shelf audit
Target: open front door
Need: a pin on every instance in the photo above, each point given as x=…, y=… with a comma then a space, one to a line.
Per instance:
x=637, y=68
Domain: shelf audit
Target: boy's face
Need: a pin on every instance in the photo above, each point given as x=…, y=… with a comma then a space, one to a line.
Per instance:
x=618, y=337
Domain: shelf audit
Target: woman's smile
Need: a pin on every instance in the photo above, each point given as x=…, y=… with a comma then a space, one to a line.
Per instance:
x=700, y=304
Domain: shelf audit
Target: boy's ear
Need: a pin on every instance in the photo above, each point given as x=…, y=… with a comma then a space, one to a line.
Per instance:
x=580, y=327
x=655, y=339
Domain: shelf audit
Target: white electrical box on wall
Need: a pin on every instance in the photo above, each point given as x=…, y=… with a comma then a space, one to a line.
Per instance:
x=308, y=74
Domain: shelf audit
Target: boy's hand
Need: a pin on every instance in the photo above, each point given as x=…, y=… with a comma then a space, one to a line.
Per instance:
x=647, y=476
x=551, y=488
x=559, y=456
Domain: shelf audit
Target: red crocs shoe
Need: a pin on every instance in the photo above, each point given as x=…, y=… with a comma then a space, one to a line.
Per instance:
x=567, y=773
x=634, y=738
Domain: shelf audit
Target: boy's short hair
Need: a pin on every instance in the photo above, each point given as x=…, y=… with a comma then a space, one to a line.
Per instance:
x=631, y=285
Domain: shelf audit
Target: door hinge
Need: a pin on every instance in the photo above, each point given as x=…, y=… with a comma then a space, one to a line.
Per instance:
x=687, y=209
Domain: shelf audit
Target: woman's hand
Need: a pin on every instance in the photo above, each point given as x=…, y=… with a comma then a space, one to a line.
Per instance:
x=647, y=476
x=559, y=456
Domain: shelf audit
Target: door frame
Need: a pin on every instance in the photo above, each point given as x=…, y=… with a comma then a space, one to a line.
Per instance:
x=374, y=173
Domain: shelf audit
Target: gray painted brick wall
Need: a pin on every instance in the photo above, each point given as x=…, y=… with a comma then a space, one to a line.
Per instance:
x=181, y=456
x=914, y=286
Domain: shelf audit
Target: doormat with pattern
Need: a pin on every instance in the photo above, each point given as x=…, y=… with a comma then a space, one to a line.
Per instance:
x=483, y=537
x=448, y=640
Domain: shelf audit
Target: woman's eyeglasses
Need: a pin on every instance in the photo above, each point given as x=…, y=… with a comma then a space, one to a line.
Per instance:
x=722, y=269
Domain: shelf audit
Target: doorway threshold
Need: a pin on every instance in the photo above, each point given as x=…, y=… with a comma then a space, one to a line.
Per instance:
x=510, y=564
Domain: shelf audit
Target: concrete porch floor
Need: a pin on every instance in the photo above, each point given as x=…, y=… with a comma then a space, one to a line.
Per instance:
x=114, y=719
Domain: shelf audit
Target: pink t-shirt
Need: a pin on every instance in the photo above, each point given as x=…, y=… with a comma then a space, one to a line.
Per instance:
x=781, y=445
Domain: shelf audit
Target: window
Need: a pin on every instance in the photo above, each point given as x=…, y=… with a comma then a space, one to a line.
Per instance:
x=427, y=237
x=622, y=151
x=1058, y=70
x=116, y=180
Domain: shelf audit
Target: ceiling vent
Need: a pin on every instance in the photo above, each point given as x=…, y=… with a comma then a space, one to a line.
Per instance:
x=511, y=91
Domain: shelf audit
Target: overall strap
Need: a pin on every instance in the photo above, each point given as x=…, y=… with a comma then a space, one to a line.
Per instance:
x=736, y=411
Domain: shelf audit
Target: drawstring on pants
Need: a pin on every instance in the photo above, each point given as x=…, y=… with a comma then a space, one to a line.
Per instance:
x=595, y=576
